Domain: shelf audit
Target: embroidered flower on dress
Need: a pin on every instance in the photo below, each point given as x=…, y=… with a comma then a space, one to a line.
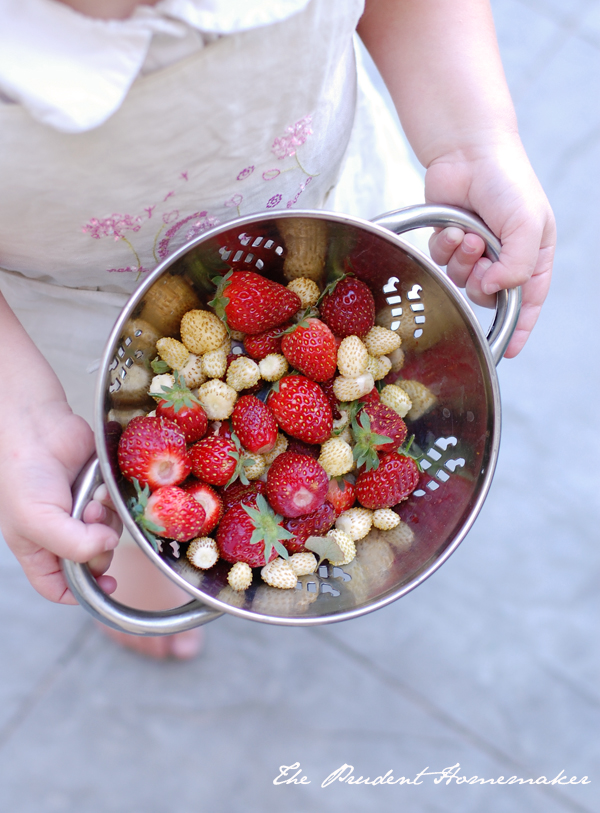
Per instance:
x=135, y=270
x=272, y=202
x=234, y=201
x=245, y=173
x=270, y=174
x=296, y=135
x=202, y=223
x=112, y=226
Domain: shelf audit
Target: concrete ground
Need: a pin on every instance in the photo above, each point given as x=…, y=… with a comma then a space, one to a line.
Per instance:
x=493, y=663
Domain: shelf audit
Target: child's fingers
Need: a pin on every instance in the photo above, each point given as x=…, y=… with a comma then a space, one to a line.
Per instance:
x=45, y=574
x=96, y=512
x=457, y=251
x=443, y=243
x=63, y=536
x=467, y=254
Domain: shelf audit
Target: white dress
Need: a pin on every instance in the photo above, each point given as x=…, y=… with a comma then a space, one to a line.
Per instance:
x=105, y=177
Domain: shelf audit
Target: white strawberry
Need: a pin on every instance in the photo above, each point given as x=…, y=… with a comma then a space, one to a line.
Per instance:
x=279, y=573
x=240, y=576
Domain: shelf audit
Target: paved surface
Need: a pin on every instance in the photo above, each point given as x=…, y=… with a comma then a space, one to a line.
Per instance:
x=493, y=663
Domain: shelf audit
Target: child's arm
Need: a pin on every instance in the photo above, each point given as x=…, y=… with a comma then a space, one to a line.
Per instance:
x=44, y=445
x=440, y=61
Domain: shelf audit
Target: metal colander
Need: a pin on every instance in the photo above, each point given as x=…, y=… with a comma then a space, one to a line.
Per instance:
x=445, y=349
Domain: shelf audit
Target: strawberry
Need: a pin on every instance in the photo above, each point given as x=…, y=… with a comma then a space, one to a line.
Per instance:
x=217, y=460
x=301, y=409
x=310, y=347
x=349, y=309
x=371, y=397
x=253, y=304
x=394, y=480
x=254, y=424
x=252, y=535
x=153, y=451
x=261, y=344
x=238, y=492
x=296, y=484
x=316, y=523
x=221, y=428
x=210, y=501
x=300, y=447
x=179, y=405
x=327, y=387
x=378, y=429
x=169, y=512
x=341, y=494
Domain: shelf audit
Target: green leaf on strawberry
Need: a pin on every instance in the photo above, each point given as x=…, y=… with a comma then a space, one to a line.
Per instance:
x=137, y=506
x=241, y=463
x=220, y=301
x=325, y=547
x=367, y=441
x=159, y=366
x=267, y=528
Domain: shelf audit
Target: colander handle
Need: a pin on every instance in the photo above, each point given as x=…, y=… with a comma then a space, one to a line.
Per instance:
x=110, y=612
x=508, y=302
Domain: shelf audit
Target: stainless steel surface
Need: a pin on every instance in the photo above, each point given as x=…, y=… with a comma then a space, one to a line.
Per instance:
x=111, y=612
x=445, y=349
x=508, y=302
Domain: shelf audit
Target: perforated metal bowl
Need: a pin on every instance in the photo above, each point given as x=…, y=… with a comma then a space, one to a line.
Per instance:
x=445, y=349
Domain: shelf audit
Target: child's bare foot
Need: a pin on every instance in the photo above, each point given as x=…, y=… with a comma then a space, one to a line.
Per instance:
x=143, y=586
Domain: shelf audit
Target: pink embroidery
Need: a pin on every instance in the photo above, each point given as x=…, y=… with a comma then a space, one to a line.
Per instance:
x=245, y=173
x=112, y=226
x=270, y=174
x=150, y=209
x=234, y=201
x=135, y=270
x=303, y=186
x=296, y=135
x=168, y=195
x=184, y=175
x=169, y=217
x=203, y=222
x=272, y=202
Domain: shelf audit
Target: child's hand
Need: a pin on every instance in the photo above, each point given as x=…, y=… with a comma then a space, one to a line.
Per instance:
x=43, y=451
x=498, y=184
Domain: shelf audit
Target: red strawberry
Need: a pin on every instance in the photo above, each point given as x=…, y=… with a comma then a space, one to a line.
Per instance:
x=251, y=535
x=221, y=428
x=214, y=460
x=210, y=502
x=251, y=303
x=327, y=387
x=315, y=524
x=378, y=429
x=392, y=481
x=183, y=408
x=371, y=397
x=300, y=447
x=153, y=452
x=301, y=409
x=238, y=492
x=254, y=424
x=341, y=494
x=311, y=348
x=173, y=513
x=349, y=309
x=262, y=344
x=296, y=484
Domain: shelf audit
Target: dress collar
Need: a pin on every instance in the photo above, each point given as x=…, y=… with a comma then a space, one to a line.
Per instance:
x=72, y=72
